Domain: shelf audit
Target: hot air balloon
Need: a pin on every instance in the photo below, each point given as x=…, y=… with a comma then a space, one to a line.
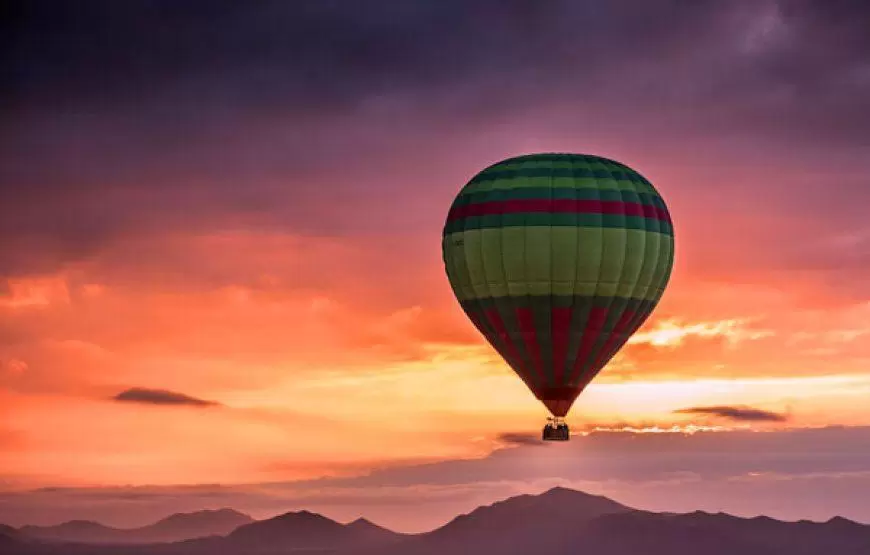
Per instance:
x=557, y=259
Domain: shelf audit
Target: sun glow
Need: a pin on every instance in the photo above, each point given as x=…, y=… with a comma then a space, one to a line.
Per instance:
x=675, y=429
x=671, y=333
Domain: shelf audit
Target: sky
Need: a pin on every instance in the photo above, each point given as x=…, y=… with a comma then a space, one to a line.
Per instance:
x=220, y=263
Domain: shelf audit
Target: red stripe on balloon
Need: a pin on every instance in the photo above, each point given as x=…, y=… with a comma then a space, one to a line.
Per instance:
x=560, y=329
x=497, y=323
x=530, y=335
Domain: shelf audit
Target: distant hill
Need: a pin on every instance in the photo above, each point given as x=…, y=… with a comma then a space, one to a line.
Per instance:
x=75, y=531
x=306, y=530
x=717, y=534
x=522, y=524
x=557, y=522
x=568, y=522
x=173, y=528
x=8, y=535
x=366, y=531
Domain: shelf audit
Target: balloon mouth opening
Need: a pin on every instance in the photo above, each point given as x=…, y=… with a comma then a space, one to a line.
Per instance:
x=558, y=400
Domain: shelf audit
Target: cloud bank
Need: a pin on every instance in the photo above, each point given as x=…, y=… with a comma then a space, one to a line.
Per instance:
x=790, y=474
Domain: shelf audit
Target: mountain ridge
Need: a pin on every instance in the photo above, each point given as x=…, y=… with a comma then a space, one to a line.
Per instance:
x=173, y=528
x=559, y=521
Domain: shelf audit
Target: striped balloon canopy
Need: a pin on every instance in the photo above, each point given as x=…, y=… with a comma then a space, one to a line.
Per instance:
x=557, y=259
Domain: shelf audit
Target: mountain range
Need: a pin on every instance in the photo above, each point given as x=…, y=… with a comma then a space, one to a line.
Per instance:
x=174, y=528
x=558, y=522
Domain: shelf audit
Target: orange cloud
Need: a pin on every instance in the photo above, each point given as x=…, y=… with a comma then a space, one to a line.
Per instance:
x=669, y=333
x=34, y=292
x=292, y=334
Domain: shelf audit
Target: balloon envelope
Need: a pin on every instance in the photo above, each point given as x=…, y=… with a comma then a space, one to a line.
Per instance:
x=557, y=259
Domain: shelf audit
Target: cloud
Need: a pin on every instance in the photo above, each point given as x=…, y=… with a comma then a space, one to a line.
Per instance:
x=516, y=439
x=744, y=414
x=791, y=474
x=160, y=397
x=13, y=367
x=381, y=47
x=35, y=292
x=169, y=135
x=670, y=333
x=275, y=53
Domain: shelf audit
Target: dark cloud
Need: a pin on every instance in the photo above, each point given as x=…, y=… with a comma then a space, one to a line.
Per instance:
x=160, y=397
x=521, y=438
x=143, y=117
x=298, y=56
x=324, y=52
x=746, y=414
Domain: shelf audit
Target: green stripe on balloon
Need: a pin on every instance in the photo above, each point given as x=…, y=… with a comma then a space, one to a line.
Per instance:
x=480, y=266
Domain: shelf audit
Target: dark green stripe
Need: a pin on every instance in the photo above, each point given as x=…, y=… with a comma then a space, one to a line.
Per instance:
x=574, y=173
x=475, y=311
x=573, y=159
x=557, y=193
x=587, y=368
x=523, y=219
x=537, y=302
x=556, y=157
x=579, y=318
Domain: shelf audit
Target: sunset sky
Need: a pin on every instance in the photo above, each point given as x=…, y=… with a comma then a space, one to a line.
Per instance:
x=220, y=258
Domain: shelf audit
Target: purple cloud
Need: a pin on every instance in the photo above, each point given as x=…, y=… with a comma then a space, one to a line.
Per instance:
x=160, y=397
x=745, y=414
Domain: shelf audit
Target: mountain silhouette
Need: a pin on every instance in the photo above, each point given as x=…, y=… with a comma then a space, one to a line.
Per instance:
x=174, y=528
x=366, y=531
x=716, y=534
x=73, y=530
x=522, y=524
x=306, y=530
x=8, y=535
x=558, y=522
